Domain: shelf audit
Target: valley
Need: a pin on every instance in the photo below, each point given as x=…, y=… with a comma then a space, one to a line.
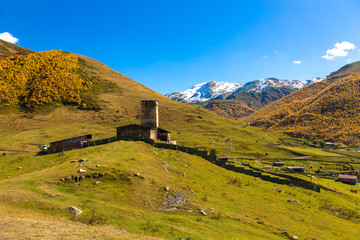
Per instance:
x=135, y=190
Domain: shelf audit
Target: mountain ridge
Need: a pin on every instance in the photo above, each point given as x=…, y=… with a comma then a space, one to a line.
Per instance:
x=239, y=100
x=212, y=90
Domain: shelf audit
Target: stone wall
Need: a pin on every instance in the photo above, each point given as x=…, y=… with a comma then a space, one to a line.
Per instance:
x=68, y=144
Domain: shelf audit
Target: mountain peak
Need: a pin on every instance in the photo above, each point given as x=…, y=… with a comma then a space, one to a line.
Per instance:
x=205, y=91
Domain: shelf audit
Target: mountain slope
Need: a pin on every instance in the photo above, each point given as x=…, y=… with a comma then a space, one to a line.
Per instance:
x=324, y=110
x=232, y=109
x=7, y=49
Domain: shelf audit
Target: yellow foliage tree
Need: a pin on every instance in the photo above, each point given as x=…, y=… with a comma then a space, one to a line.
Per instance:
x=40, y=78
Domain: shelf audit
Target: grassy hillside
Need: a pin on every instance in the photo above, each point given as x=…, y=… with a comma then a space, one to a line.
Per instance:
x=120, y=105
x=131, y=197
x=324, y=110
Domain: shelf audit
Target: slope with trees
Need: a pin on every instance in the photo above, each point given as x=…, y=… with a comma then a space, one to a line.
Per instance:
x=328, y=110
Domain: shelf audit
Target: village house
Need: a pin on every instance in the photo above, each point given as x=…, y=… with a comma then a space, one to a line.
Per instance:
x=149, y=127
x=295, y=169
x=330, y=145
x=348, y=179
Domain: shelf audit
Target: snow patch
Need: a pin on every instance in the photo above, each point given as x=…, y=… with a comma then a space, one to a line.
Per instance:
x=205, y=91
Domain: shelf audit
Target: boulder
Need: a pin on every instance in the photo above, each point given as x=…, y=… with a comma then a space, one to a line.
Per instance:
x=74, y=210
x=277, y=189
x=200, y=210
x=166, y=168
x=174, y=201
x=81, y=170
x=294, y=201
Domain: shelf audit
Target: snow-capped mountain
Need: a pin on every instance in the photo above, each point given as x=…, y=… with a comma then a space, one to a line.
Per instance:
x=265, y=83
x=205, y=92
x=313, y=80
x=212, y=90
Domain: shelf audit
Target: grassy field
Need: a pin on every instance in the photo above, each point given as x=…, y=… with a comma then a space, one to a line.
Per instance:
x=237, y=206
x=312, y=151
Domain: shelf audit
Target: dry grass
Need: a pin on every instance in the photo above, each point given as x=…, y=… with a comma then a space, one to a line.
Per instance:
x=37, y=194
x=33, y=226
x=7, y=48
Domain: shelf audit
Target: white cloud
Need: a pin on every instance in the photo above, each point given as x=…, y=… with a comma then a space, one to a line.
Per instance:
x=340, y=50
x=297, y=61
x=266, y=56
x=6, y=36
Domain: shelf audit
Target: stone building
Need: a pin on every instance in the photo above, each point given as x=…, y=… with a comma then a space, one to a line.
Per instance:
x=149, y=127
x=348, y=179
x=68, y=144
x=295, y=169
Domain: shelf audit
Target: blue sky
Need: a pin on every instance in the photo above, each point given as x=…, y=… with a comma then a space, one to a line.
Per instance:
x=170, y=45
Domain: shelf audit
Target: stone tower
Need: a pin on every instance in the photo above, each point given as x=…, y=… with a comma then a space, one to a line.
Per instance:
x=150, y=113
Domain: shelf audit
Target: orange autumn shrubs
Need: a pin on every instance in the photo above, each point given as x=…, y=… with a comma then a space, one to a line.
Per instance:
x=40, y=78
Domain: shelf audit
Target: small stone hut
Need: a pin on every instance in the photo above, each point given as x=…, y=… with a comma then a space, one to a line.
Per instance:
x=348, y=179
x=69, y=144
x=149, y=127
x=295, y=169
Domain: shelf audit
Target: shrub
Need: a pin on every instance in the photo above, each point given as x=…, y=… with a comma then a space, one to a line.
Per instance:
x=94, y=218
x=214, y=152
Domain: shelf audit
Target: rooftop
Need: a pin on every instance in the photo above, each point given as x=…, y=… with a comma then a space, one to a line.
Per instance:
x=349, y=177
